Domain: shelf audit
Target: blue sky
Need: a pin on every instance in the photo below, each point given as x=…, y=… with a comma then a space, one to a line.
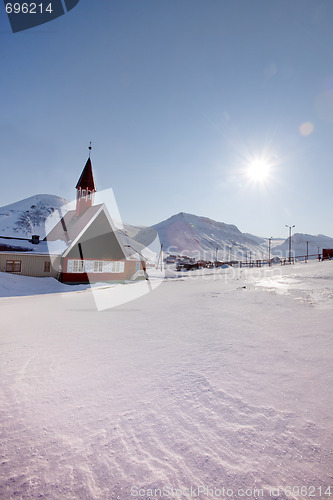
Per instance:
x=179, y=98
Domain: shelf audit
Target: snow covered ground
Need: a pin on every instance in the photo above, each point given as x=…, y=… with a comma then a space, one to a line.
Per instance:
x=13, y=285
x=211, y=381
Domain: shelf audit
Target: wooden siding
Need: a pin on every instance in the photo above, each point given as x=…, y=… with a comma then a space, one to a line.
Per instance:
x=129, y=271
x=32, y=264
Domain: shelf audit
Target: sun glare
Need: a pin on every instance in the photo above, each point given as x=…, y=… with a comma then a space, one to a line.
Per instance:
x=258, y=171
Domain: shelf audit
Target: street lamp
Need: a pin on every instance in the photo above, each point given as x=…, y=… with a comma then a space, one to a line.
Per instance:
x=307, y=251
x=290, y=228
x=230, y=253
x=230, y=248
x=269, y=250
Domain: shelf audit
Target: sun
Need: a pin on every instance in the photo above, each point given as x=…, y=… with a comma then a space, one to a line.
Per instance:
x=258, y=170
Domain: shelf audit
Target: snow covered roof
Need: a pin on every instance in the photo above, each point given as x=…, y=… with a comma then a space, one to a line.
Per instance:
x=18, y=246
x=71, y=227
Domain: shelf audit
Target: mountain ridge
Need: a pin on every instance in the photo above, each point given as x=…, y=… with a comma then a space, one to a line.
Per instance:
x=182, y=233
x=201, y=237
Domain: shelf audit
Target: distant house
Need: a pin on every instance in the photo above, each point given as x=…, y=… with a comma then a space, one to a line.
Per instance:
x=88, y=246
x=327, y=253
x=170, y=259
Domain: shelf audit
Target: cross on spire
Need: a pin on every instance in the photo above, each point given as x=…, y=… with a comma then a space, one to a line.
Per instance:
x=90, y=148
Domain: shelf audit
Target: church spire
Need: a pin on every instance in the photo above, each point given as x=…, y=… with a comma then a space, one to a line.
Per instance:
x=85, y=188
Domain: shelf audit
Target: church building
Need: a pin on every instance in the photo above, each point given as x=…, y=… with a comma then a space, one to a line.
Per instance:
x=96, y=249
x=92, y=248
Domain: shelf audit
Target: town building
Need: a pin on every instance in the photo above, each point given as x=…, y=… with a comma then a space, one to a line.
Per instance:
x=84, y=246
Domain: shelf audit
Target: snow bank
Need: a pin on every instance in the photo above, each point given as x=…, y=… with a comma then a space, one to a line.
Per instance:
x=12, y=285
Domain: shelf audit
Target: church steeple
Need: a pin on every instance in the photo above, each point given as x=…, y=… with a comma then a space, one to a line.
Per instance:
x=85, y=188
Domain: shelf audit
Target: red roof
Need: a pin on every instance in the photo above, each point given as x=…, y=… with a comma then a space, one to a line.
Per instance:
x=86, y=180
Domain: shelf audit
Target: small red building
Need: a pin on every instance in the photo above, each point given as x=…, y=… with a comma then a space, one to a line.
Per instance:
x=327, y=253
x=95, y=249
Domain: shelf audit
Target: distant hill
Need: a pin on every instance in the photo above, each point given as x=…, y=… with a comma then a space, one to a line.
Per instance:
x=198, y=236
x=28, y=216
x=298, y=244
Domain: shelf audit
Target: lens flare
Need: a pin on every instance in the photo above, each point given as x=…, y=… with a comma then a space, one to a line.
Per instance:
x=306, y=128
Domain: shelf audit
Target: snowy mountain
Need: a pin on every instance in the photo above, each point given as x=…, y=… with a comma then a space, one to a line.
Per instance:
x=299, y=246
x=200, y=237
x=27, y=217
x=184, y=233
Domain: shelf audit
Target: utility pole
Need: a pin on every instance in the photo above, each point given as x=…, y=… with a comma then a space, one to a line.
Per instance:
x=307, y=251
x=216, y=256
x=269, y=250
x=290, y=228
x=160, y=258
